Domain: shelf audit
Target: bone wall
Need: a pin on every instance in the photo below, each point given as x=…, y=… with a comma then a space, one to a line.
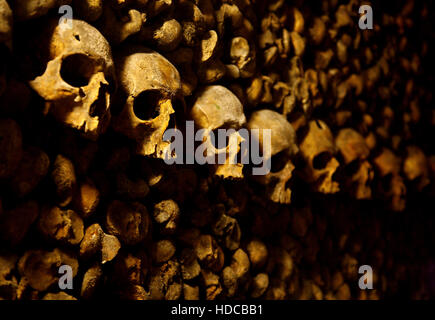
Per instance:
x=84, y=104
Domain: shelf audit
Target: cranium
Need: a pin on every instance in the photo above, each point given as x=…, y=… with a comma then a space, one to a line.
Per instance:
x=415, y=167
x=282, y=148
x=77, y=80
x=151, y=87
x=215, y=108
x=358, y=171
x=318, y=149
x=390, y=184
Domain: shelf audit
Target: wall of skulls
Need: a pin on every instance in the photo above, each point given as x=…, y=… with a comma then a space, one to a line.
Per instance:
x=82, y=182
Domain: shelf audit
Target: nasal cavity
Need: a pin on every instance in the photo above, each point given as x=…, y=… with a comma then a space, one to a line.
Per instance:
x=98, y=108
x=321, y=160
x=279, y=161
x=147, y=105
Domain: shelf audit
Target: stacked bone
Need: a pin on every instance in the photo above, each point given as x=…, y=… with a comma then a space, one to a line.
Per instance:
x=83, y=182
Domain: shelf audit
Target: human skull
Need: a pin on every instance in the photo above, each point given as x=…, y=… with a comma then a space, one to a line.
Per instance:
x=415, y=167
x=390, y=182
x=78, y=78
x=358, y=171
x=282, y=148
x=216, y=107
x=318, y=149
x=151, y=87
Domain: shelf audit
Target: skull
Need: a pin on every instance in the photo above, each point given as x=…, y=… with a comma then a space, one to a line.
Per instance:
x=390, y=184
x=318, y=149
x=216, y=107
x=151, y=86
x=78, y=77
x=415, y=167
x=358, y=171
x=283, y=147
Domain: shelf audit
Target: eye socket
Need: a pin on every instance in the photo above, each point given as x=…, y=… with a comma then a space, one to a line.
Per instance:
x=218, y=142
x=77, y=70
x=278, y=161
x=352, y=168
x=321, y=160
x=146, y=105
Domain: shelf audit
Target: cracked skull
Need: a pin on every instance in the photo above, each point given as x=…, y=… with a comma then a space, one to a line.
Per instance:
x=151, y=87
x=318, y=149
x=78, y=78
x=217, y=108
x=282, y=148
